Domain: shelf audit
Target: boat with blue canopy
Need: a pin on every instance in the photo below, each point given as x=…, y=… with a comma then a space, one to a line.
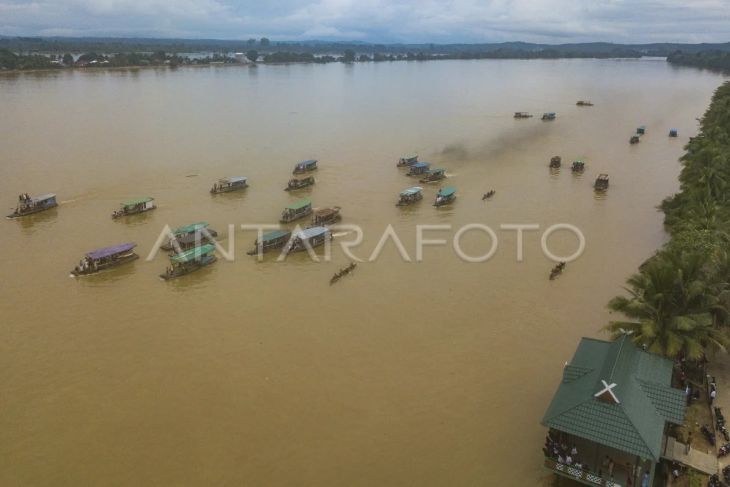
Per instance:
x=549, y=116
x=445, y=196
x=189, y=261
x=232, y=183
x=135, y=206
x=418, y=168
x=270, y=241
x=199, y=229
x=105, y=258
x=27, y=205
x=410, y=196
x=641, y=130
x=433, y=175
x=673, y=132
x=407, y=160
x=296, y=210
x=299, y=183
x=305, y=166
x=309, y=237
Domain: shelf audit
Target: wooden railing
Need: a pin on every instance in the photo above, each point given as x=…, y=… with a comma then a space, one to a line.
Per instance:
x=579, y=474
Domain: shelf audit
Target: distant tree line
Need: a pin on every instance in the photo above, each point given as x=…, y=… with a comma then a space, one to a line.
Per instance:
x=715, y=59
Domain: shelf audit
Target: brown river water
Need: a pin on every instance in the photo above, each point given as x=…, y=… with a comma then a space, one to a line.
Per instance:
x=261, y=373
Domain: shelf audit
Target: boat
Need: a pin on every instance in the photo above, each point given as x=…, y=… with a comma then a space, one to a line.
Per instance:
x=433, y=175
x=196, y=229
x=584, y=103
x=408, y=160
x=601, y=183
x=549, y=116
x=326, y=216
x=641, y=130
x=343, y=272
x=410, y=196
x=634, y=139
x=270, y=241
x=190, y=240
x=305, y=166
x=673, y=132
x=445, y=196
x=418, y=168
x=132, y=207
x=105, y=258
x=296, y=210
x=309, y=237
x=189, y=261
x=522, y=115
x=27, y=205
x=578, y=166
x=226, y=185
x=557, y=270
x=488, y=194
x=555, y=162
x=299, y=183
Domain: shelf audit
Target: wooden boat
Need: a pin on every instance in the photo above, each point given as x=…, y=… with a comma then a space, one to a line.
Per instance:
x=132, y=207
x=270, y=241
x=549, y=116
x=522, y=115
x=584, y=103
x=27, y=205
x=105, y=258
x=408, y=160
x=488, y=194
x=299, y=183
x=601, y=183
x=309, y=237
x=641, y=130
x=296, y=210
x=326, y=216
x=418, y=168
x=673, y=132
x=557, y=270
x=305, y=166
x=410, y=196
x=189, y=261
x=433, y=175
x=578, y=166
x=191, y=240
x=195, y=229
x=634, y=139
x=226, y=185
x=343, y=272
x=445, y=196
x=555, y=162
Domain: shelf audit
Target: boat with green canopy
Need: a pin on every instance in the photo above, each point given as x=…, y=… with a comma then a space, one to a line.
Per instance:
x=27, y=205
x=135, y=206
x=199, y=228
x=105, y=258
x=270, y=241
x=305, y=166
x=296, y=210
x=190, y=240
x=410, y=196
x=189, y=261
x=445, y=196
x=232, y=183
x=407, y=160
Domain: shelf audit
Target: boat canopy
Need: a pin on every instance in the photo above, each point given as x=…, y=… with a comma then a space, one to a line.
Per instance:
x=189, y=238
x=193, y=227
x=409, y=157
x=549, y=114
x=109, y=251
x=275, y=235
x=138, y=201
x=311, y=232
x=421, y=164
x=43, y=197
x=438, y=170
x=233, y=180
x=447, y=191
x=307, y=163
x=192, y=254
x=412, y=191
x=303, y=203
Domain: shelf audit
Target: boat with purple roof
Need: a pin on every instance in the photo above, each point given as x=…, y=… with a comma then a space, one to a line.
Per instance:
x=105, y=258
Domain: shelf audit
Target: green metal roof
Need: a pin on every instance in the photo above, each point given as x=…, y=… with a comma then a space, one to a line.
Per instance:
x=646, y=400
x=192, y=254
x=137, y=201
x=299, y=204
x=193, y=227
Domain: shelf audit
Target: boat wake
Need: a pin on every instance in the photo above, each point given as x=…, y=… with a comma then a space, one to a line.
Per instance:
x=341, y=234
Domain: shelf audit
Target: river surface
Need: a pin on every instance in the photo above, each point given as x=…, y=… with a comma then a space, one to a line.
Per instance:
x=261, y=373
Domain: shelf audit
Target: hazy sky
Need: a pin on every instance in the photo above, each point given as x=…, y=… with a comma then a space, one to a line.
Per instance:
x=440, y=21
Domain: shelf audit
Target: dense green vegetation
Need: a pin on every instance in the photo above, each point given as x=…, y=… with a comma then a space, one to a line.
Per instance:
x=679, y=302
x=714, y=59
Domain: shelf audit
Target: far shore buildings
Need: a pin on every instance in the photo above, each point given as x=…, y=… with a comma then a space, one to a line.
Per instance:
x=611, y=413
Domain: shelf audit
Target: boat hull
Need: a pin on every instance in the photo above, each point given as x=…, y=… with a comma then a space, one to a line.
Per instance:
x=182, y=271
x=120, y=214
x=289, y=219
x=229, y=189
x=31, y=211
x=444, y=201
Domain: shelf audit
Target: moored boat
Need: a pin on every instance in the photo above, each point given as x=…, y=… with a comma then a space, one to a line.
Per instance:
x=418, y=168
x=522, y=115
x=305, y=166
x=296, y=210
x=584, y=103
x=410, y=196
x=309, y=237
x=326, y=216
x=195, y=229
x=445, y=196
x=549, y=116
x=135, y=206
x=555, y=162
x=232, y=183
x=578, y=166
x=270, y=241
x=601, y=183
x=299, y=183
x=105, y=258
x=673, y=132
x=189, y=261
x=433, y=175
x=408, y=160
x=27, y=205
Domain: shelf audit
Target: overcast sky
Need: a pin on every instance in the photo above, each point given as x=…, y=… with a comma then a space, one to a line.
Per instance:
x=439, y=21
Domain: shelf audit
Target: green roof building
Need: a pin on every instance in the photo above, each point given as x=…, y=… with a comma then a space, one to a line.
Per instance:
x=613, y=405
